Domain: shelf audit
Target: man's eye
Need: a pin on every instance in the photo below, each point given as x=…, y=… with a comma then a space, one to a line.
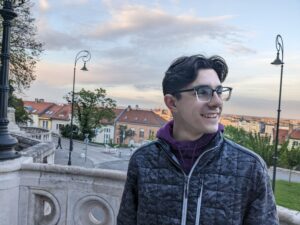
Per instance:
x=203, y=91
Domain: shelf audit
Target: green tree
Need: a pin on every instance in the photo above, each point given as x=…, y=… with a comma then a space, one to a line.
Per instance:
x=261, y=144
x=254, y=141
x=293, y=159
x=90, y=107
x=25, y=48
x=21, y=115
x=124, y=133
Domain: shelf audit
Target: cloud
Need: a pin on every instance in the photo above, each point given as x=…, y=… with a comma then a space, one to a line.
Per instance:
x=56, y=40
x=238, y=49
x=140, y=23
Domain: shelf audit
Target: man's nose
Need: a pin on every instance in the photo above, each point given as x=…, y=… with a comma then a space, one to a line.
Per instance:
x=215, y=100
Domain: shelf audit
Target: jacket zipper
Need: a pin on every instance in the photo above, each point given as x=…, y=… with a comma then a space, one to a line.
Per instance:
x=186, y=185
x=199, y=202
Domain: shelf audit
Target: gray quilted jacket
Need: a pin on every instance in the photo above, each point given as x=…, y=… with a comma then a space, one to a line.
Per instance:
x=228, y=184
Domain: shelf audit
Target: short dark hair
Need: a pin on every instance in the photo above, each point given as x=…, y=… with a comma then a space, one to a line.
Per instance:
x=184, y=70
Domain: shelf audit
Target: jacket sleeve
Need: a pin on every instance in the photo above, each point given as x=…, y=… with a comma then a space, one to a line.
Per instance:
x=262, y=208
x=128, y=208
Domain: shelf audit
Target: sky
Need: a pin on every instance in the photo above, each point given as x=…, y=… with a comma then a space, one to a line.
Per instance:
x=132, y=43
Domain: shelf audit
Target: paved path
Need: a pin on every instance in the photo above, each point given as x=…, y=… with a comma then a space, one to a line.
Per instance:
x=97, y=156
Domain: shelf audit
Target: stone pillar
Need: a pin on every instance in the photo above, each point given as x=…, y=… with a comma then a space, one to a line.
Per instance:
x=12, y=126
x=9, y=189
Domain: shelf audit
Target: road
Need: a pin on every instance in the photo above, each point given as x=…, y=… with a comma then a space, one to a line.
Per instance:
x=97, y=156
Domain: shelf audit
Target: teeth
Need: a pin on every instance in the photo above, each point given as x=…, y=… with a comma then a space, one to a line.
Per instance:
x=211, y=115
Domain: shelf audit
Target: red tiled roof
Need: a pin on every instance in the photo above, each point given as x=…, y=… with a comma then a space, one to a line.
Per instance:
x=282, y=135
x=63, y=112
x=295, y=134
x=117, y=113
x=37, y=107
x=49, y=109
x=140, y=116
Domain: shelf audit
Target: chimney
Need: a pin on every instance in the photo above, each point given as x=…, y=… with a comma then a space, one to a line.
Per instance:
x=128, y=108
x=136, y=107
x=41, y=100
x=36, y=100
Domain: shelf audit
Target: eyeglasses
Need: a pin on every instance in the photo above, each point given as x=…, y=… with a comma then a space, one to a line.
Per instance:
x=205, y=93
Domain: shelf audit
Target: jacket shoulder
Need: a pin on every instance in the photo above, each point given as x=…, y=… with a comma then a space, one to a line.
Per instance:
x=145, y=150
x=245, y=153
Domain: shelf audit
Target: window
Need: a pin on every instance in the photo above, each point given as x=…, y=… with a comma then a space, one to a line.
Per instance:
x=141, y=133
x=45, y=124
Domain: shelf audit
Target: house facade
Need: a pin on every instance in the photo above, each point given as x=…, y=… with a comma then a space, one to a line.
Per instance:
x=48, y=115
x=136, y=126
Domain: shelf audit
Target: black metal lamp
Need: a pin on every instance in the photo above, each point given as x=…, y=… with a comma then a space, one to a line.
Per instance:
x=85, y=55
x=277, y=61
x=7, y=142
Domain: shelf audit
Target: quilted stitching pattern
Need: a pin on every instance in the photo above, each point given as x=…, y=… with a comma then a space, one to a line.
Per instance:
x=236, y=188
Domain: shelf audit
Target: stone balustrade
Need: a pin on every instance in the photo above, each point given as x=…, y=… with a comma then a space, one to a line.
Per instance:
x=37, y=133
x=53, y=194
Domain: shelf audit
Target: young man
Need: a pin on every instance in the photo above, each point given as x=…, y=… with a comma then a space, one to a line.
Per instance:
x=192, y=175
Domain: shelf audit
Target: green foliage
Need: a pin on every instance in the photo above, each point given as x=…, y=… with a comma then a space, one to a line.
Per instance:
x=25, y=48
x=287, y=158
x=124, y=133
x=65, y=131
x=90, y=107
x=254, y=141
x=287, y=194
x=21, y=115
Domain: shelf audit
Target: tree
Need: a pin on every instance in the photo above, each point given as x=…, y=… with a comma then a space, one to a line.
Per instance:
x=21, y=115
x=25, y=48
x=124, y=133
x=293, y=159
x=90, y=107
x=254, y=141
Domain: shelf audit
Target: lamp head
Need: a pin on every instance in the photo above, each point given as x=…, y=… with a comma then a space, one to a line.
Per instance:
x=84, y=67
x=277, y=61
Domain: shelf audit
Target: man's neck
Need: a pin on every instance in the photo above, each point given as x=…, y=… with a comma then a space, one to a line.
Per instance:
x=183, y=134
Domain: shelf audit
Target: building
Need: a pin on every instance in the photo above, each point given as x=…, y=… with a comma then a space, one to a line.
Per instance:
x=294, y=139
x=137, y=126
x=105, y=134
x=164, y=113
x=48, y=115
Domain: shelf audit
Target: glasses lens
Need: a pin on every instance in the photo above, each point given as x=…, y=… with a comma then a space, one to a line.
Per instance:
x=224, y=93
x=204, y=94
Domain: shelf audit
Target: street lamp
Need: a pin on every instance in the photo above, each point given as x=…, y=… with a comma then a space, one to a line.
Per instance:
x=7, y=142
x=277, y=61
x=85, y=55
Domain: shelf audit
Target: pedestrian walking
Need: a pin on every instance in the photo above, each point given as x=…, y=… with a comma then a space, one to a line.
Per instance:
x=59, y=142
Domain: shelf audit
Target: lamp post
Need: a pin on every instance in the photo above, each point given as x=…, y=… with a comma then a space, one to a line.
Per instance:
x=277, y=61
x=7, y=142
x=85, y=55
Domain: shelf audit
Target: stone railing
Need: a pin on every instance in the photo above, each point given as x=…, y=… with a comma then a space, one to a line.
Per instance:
x=37, y=133
x=53, y=194
x=41, y=152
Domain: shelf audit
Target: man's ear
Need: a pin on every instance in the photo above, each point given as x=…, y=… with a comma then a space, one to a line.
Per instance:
x=170, y=102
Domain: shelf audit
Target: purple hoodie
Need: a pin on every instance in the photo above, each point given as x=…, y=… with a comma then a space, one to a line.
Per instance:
x=185, y=151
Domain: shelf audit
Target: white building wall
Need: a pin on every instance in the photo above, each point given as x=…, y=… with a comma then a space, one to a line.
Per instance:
x=105, y=134
x=56, y=123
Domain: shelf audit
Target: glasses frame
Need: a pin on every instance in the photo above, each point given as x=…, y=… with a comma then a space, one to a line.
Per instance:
x=201, y=86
